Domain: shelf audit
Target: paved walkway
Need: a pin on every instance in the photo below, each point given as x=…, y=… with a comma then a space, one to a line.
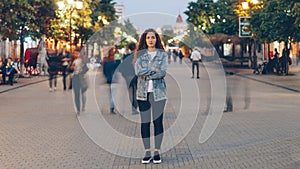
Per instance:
x=39, y=129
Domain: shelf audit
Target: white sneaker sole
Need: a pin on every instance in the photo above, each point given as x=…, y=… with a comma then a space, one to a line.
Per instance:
x=156, y=161
x=146, y=162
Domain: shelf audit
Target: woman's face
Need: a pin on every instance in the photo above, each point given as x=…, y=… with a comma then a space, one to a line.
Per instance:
x=151, y=39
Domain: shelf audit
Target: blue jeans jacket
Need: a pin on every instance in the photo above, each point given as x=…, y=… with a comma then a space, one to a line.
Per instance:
x=144, y=69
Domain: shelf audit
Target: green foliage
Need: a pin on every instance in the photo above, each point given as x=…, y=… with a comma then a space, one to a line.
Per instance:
x=272, y=20
x=275, y=22
x=102, y=11
x=16, y=16
x=130, y=29
x=167, y=34
x=225, y=20
x=199, y=14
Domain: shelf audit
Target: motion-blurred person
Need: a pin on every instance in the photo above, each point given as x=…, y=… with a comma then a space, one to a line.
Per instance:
x=127, y=70
x=10, y=71
x=180, y=56
x=109, y=67
x=42, y=57
x=175, y=55
x=53, y=64
x=80, y=84
x=2, y=71
x=285, y=58
x=65, y=58
x=169, y=55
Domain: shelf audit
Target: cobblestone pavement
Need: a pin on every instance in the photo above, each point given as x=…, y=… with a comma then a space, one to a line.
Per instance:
x=39, y=129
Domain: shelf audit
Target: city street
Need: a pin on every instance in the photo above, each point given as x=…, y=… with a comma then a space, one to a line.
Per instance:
x=40, y=129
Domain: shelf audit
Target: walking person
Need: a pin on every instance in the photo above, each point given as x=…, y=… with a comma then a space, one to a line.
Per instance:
x=195, y=57
x=80, y=84
x=42, y=57
x=65, y=58
x=109, y=67
x=229, y=85
x=127, y=70
x=298, y=58
x=53, y=64
x=175, y=55
x=169, y=55
x=150, y=67
x=285, y=58
x=180, y=56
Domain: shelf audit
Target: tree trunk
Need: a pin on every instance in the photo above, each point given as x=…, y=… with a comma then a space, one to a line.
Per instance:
x=21, y=53
x=233, y=50
x=14, y=48
x=250, y=52
x=269, y=57
x=254, y=55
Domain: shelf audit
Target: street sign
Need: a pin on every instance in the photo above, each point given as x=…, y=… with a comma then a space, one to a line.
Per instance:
x=245, y=27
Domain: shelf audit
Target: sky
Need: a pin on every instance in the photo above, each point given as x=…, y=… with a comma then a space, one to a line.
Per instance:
x=140, y=11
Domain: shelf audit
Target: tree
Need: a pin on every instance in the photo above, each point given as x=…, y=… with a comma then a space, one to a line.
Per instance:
x=167, y=34
x=200, y=13
x=45, y=11
x=276, y=21
x=130, y=29
x=224, y=19
x=103, y=12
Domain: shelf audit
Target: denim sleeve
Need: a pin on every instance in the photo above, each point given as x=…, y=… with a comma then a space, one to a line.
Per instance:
x=162, y=70
x=142, y=70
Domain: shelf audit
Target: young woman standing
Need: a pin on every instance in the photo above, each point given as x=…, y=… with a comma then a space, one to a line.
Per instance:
x=150, y=67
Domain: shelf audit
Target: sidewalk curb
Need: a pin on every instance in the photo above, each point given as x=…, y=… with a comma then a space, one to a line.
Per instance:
x=23, y=85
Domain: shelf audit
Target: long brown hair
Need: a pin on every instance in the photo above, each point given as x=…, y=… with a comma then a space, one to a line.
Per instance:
x=142, y=45
x=111, y=53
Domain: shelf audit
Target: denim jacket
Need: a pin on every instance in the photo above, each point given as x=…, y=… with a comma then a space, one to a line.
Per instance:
x=144, y=69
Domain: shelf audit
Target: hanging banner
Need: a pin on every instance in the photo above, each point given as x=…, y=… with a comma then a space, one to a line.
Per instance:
x=245, y=27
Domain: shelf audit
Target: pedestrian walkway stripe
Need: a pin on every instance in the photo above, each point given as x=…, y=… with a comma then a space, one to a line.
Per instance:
x=268, y=83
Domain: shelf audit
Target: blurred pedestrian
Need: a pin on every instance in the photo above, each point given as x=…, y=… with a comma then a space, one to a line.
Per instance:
x=2, y=71
x=79, y=80
x=109, y=67
x=127, y=70
x=229, y=85
x=10, y=71
x=169, y=55
x=298, y=58
x=196, y=58
x=53, y=63
x=175, y=55
x=65, y=65
x=180, y=56
x=285, y=58
x=150, y=67
x=42, y=57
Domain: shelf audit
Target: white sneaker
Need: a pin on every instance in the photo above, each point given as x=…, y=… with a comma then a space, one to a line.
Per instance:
x=54, y=88
x=50, y=90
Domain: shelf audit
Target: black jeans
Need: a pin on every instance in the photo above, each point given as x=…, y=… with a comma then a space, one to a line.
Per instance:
x=11, y=77
x=195, y=64
x=157, y=115
x=78, y=93
x=52, y=76
x=64, y=74
x=132, y=87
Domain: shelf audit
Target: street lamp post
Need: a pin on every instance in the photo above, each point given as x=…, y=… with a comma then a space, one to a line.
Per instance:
x=248, y=5
x=70, y=6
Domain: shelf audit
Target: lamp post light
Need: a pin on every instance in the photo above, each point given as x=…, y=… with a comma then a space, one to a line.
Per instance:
x=70, y=6
x=244, y=26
